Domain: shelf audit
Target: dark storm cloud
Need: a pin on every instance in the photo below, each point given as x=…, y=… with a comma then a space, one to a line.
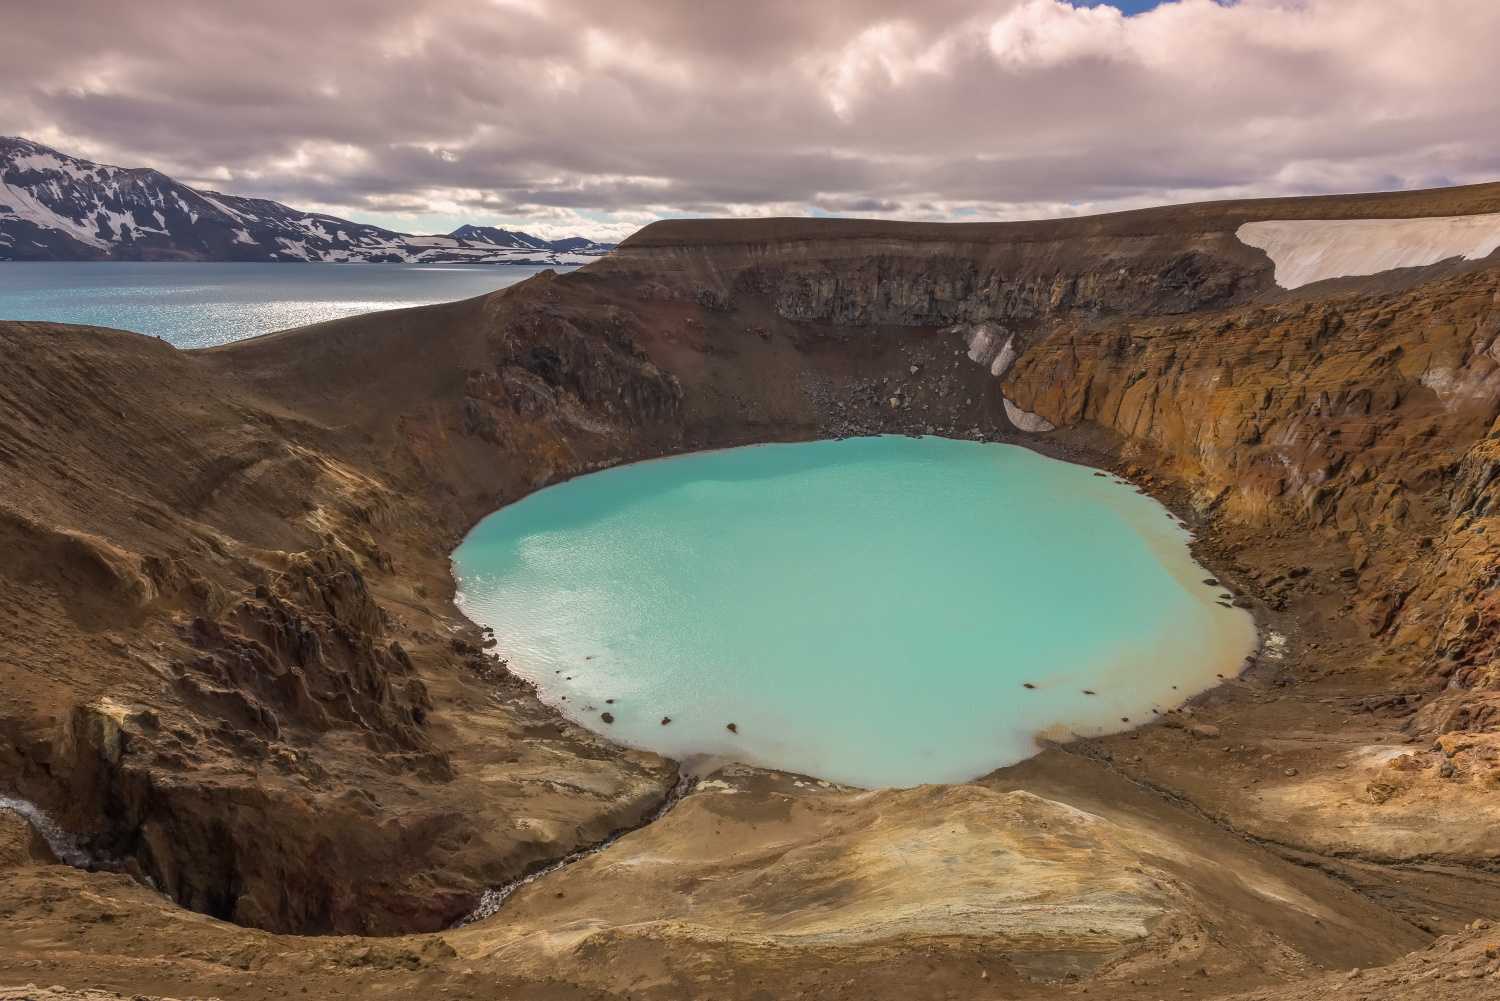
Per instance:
x=530, y=108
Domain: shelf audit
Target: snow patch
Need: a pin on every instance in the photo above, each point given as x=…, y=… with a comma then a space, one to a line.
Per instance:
x=432, y=241
x=1004, y=359
x=983, y=340
x=1313, y=250
x=1025, y=420
x=54, y=164
x=26, y=206
x=231, y=213
x=294, y=248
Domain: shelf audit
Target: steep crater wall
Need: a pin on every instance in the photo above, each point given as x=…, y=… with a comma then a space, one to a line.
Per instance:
x=236, y=667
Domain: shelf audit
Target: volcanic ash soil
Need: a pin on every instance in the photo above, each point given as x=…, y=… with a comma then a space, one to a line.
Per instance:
x=237, y=684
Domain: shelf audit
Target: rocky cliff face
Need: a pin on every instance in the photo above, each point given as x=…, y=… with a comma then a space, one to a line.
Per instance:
x=259, y=730
x=234, y=668
x=1362, y=419
x=951, y=286
x=1355, y=409
x=1352, y=416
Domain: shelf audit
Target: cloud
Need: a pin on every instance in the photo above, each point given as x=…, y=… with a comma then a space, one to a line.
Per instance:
x=591, y=118
x=1046, y=33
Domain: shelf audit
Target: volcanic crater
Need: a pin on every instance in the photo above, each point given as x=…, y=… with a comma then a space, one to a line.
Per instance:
x=240, y=701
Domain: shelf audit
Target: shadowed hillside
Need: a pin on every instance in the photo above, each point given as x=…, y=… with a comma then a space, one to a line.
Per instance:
x=234, y=671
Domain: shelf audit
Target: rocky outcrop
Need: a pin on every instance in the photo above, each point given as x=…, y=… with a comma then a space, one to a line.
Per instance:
x=234, y=668
x=955, y=289
x=277, y=734
x=770, y=868
x=309, y=647
x=147, y=785
x=1361, y=419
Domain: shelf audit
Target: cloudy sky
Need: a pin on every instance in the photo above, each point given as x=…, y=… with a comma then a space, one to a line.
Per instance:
x=592, y=117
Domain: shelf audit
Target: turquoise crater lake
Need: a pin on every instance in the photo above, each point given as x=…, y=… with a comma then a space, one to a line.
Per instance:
x=867, y=611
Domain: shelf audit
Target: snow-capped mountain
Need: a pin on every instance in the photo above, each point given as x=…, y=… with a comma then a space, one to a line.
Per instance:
x=491, y=237
x=55, y=207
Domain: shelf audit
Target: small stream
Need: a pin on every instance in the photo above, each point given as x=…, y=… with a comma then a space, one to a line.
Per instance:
x=63, y=846
x=493, y=899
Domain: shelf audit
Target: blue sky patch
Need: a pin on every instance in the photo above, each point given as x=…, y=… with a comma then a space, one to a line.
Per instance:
x=1132, y=7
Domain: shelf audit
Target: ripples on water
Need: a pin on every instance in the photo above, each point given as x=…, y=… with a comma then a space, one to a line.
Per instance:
x=875, y=611
x=200, y=305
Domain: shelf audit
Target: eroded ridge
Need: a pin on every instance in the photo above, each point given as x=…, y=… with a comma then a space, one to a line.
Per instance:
x=234, y=670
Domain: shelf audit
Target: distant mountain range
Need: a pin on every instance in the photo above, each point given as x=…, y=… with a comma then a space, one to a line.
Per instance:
x=55, y=207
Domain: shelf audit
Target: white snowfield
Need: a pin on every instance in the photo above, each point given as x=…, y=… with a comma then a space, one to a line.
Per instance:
x=1025, y=420
x=1312, y=250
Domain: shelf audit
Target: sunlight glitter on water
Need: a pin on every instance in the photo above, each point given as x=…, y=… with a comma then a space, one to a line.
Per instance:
x=197, y=305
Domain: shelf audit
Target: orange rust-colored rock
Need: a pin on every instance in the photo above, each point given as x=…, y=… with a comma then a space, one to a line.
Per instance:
x=234, y=670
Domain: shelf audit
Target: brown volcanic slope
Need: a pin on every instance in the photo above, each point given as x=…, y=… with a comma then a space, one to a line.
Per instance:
x=234, y=673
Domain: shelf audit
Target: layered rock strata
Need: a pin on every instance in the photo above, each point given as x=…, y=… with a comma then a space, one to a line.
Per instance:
x=235, y=673
x=232, y=664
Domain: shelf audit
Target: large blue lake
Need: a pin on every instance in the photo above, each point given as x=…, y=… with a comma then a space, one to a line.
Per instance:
x=200, y=305
x=875, y=611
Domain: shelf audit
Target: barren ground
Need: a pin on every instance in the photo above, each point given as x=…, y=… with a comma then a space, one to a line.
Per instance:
x=236, y=681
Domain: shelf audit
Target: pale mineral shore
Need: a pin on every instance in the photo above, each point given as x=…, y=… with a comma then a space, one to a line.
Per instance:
x=1201, y=642
x=235, y=678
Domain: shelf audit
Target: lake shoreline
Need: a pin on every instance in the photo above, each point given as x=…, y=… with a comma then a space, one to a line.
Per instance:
x=218, y=302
